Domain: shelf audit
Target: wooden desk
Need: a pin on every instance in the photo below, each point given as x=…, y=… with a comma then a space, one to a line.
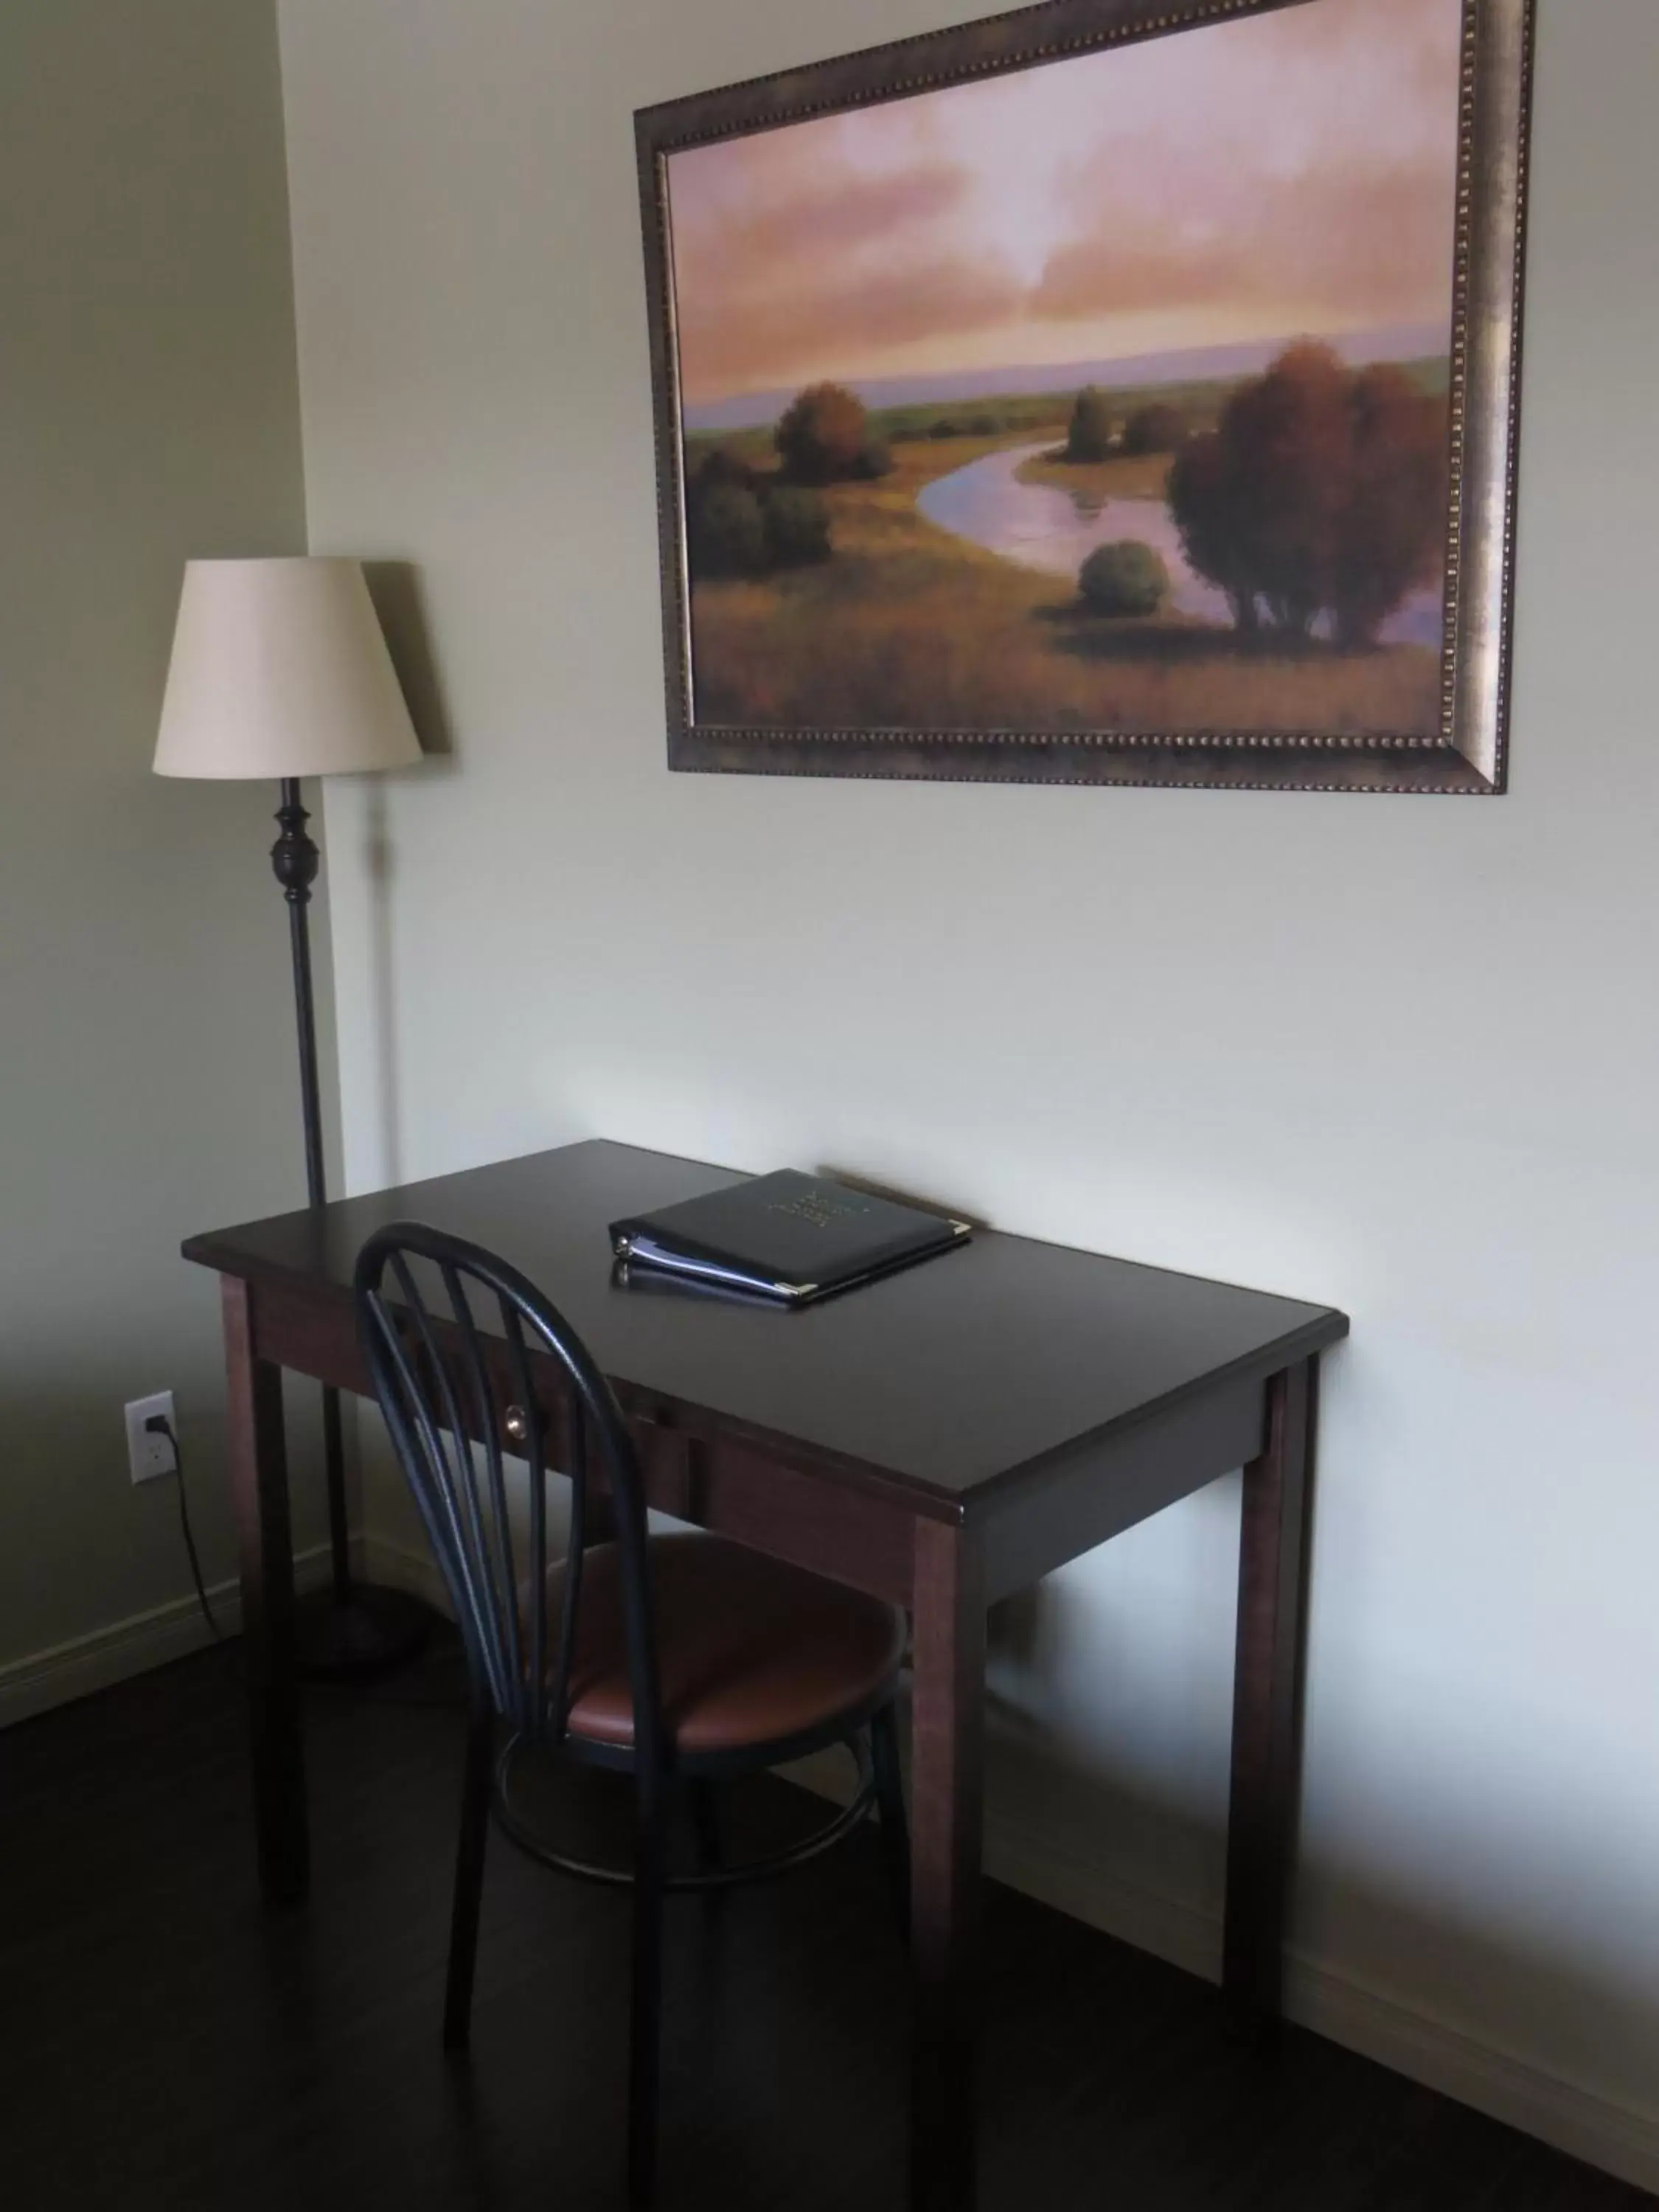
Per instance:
x=942, y=1438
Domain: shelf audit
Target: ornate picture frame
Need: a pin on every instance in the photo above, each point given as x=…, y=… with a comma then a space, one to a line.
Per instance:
x=1298, y=537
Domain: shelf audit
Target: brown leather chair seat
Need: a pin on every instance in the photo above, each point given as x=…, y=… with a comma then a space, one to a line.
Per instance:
x=748, y=1650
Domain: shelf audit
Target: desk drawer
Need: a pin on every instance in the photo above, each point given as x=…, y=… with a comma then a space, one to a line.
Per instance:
x=813, y=1521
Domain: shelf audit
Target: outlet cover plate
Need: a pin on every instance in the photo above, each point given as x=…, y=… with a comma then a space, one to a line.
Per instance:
x=149, y=1456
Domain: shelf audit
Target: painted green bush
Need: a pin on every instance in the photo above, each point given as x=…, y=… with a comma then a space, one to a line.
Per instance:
x=1127, y=578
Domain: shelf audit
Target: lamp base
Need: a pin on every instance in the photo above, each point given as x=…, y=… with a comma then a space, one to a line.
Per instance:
x=370, y=1629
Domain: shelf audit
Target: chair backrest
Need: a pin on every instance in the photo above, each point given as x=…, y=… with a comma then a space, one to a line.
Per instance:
x=455, y=1382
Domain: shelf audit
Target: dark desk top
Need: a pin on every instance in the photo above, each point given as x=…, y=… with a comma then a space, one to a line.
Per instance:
x=953, y=1378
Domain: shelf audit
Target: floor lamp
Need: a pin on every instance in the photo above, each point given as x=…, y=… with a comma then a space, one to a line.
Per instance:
x=280, y=670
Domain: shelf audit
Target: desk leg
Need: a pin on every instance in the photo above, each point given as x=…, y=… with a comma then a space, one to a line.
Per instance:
x=1268, y=1698
x=258, y=1478
x=947, y=1816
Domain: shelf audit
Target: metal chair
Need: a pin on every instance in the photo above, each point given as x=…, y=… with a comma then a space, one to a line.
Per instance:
x=681, y=1661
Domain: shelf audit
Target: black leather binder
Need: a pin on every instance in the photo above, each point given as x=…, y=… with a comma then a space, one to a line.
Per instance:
x=789, y=1236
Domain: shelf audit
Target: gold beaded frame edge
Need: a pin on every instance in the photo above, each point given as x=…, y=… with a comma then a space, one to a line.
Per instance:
x=1470, y=757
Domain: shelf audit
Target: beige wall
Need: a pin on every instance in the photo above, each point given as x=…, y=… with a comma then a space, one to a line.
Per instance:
x=148, y=410
x=1398, y=1055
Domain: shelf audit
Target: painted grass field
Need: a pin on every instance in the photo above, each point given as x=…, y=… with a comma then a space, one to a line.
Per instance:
x=908, y=627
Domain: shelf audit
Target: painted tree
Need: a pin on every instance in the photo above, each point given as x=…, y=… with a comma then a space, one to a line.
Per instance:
x=741, y=522
x=1394, y=523
x=824, y=437
x=1321, y=491
x=1090, y=437
x=796, y=523
x=1158, y=428
x=726, y=531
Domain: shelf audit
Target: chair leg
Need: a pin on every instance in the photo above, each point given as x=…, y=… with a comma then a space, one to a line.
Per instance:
x=890, y=1800
x=469, y=1882
x=646, y=2032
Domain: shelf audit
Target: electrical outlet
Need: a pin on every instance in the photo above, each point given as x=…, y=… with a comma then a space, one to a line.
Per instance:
x=149, y=1454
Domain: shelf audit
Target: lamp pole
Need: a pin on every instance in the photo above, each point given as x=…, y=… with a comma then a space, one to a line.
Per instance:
x=360, y=1628
x=294, y=860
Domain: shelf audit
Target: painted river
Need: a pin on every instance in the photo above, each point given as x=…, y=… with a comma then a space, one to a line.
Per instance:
x=1045, y=526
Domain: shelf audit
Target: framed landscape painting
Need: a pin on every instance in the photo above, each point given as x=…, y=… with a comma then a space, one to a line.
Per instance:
x=1107, y=392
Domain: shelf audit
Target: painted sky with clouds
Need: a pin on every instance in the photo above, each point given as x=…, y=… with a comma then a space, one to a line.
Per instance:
x=1291, y=175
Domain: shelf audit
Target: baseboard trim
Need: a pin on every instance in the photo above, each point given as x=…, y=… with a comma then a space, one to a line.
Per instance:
x=42, y=1680
x=1044, y=1865
x=1504, y=2087
x=1621, y=2142
x=57, y=1676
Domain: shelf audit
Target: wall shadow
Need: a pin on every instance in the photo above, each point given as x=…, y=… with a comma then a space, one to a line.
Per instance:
x=380, y=864
x=399, y=592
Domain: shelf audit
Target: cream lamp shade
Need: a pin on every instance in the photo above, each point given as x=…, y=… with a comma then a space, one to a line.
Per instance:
x=279, y=669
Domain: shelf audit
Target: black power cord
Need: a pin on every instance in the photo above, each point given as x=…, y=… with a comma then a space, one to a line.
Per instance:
x=158, y=1425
